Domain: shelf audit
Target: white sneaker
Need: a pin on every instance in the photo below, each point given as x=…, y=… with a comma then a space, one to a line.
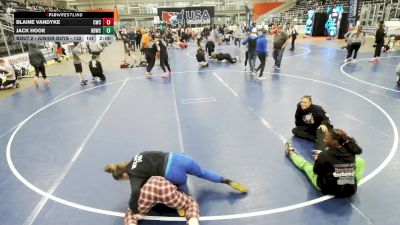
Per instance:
x=261, y=78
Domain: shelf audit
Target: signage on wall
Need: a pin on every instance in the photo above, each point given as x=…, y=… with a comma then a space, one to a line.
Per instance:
x=333, y=24
x=186, y=16
x=353, y=11
x=310, y=22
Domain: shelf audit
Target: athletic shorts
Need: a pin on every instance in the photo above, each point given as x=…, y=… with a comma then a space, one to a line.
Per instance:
x=78, y=68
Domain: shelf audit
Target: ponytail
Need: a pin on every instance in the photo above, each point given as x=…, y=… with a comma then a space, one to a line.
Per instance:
x=117, y=170
x=347, y=142
x=352, y=146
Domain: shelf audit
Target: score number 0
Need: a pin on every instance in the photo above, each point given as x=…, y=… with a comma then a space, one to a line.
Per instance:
x=108, y=21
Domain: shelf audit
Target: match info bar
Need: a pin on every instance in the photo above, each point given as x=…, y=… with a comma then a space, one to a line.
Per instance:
x=64, y=26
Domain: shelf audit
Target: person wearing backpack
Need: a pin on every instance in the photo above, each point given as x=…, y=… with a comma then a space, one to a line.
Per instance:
x=251, y=42
x=293, y=33
x=354, y=42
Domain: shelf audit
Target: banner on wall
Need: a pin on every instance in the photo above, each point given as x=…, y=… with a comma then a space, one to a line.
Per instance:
x=332, y=26
x=248, y=16
x=353, y=12
x=186, y=16
x=22, y=60
x=309, y=22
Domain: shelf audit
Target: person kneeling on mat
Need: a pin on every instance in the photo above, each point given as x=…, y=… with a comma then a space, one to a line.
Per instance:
x=224, y=56
x=337, y=170
x=96, y=69
x=201, y=59
x=312, y=122
x=173, y=166
x=158, y=190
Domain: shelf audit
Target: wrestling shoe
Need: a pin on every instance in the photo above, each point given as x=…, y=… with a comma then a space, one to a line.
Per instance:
x=289, y=147
x=181, y=212
x=165, y=75
x=84, y=82
x=240, y=187
x=261, y=78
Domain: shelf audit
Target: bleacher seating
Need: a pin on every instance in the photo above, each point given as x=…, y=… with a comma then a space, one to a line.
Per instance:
x=299, y=10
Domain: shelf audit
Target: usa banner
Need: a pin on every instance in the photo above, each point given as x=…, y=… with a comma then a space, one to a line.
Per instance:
x=186, y=16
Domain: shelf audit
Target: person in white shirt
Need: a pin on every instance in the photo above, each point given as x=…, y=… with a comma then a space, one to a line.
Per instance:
x=7, y=74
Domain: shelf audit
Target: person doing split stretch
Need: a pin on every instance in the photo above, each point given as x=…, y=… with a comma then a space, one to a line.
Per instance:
x=312, y=122
x=173, y=166
x=337, y=170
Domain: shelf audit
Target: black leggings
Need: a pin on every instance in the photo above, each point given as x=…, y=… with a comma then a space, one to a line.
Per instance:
x=237, y=40
x=262, y=57
x=41, y=69
x=164, y=62
x=353, y=47
x=210, y=51
x=305, y=132
x=378, y=50
x=198, y=41
x=151, y=60
x=247, y=58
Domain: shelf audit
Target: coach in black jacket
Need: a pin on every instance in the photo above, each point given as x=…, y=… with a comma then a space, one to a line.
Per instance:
x=312, y=122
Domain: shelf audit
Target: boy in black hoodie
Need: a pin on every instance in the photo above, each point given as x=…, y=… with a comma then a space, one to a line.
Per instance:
x=337, y=170
x=312, y=122
x=210, y=46
x=96, y=69
x=201, y=59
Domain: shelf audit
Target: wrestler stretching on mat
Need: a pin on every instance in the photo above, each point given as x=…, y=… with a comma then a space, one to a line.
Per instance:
x=312, y=122
x=157, y=190
x=337, y=169
x=173, y=166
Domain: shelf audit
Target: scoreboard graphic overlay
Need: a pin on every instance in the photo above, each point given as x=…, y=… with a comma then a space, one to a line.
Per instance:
x=64, y=27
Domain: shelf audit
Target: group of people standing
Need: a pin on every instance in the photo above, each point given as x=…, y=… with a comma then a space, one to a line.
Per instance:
x=257, y=46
